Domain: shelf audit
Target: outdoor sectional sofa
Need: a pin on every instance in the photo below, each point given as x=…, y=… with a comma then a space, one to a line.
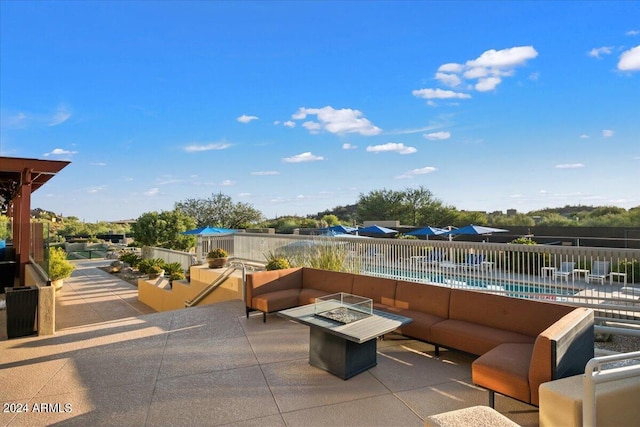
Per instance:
x=520, y=343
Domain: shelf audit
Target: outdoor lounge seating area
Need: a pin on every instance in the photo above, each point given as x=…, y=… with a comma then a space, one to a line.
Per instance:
x=521, y=343
x=211, y=365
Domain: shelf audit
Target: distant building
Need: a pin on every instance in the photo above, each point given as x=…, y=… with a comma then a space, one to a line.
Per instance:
x=512, y=212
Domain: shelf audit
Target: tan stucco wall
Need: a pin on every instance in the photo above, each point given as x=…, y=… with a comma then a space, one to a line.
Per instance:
x=46, y=301
x=158, y=295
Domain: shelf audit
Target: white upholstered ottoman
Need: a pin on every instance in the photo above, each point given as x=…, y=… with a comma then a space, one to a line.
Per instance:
x=474, y=416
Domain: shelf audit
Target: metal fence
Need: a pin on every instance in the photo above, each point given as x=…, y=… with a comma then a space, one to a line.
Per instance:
x=605, y=279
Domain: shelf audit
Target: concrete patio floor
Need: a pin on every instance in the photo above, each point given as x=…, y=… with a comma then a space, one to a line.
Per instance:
x=115, y=362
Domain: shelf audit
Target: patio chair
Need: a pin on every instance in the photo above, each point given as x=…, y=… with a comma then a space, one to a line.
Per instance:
x=565, y=270
x=473, y=261
x=599, y=271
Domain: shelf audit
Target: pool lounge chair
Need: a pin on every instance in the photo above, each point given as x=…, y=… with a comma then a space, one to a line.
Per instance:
x=565, y=270
x=599, y=271
x=433, y=258
x=473, y=261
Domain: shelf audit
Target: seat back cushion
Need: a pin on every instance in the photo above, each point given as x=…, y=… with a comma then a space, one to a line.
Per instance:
x=511, y=314
x=425, y=298
x=271, y=281
x=380, y=290
x=327, y=281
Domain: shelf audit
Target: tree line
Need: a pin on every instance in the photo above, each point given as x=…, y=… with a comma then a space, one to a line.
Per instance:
x=412, y=206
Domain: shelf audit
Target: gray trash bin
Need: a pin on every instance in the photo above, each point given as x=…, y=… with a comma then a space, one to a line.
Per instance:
x=22, y=308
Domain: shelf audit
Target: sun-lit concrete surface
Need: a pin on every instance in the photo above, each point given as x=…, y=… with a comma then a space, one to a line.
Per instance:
x=111, y=364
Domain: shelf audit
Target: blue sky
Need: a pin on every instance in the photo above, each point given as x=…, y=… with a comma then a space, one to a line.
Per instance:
x=298, y=107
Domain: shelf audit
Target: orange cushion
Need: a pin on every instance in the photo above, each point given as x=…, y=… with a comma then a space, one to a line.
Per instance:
x=276, y=301
x=424, y=298
x=382, y=291
x=505, y=369
x=474, y=338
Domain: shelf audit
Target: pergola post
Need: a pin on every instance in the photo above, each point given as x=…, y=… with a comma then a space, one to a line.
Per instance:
x=22, y=223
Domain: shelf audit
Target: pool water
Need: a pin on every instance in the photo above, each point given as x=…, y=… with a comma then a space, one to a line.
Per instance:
x=517, y=290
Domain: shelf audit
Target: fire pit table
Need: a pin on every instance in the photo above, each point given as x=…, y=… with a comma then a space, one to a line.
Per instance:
x=343, y=332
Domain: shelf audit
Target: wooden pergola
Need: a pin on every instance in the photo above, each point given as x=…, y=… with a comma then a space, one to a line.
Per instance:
x=19, y=177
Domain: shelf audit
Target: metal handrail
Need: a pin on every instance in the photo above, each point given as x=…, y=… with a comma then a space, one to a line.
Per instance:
x=594, y=374
x=235, y=264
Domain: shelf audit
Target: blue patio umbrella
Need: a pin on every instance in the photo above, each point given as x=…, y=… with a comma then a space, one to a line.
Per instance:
x=209, y=230
x=427, y=231
x=338, y=229
x=474, y=230
x=376, y=229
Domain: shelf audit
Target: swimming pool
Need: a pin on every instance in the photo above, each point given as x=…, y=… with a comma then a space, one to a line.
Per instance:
x=503, y=287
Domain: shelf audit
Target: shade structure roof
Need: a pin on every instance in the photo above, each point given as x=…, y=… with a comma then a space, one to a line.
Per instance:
x=377, y=229
x=474, y=229
x=209, y=230
x=427, y=231
x=12, y=168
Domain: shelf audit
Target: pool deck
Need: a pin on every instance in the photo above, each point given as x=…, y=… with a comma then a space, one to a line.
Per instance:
x=115, y=362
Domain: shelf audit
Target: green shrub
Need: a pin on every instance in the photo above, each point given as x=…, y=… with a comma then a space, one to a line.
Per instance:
x=59, y=267
x=173, y=267
x=217, y=253
x=154, y=270
x=526, y=263
x=629, y=266
x=131, y=258
x=278, y=263
x=176, y=275
x=146, y=264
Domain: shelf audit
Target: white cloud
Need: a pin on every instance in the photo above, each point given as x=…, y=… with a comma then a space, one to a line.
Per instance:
x=451, y=67
x=632, y=33
x=227, y=183
x=630, y=60
x=335, y=121
x=304, y=157
x=415, y=172
x=152, y=192
x=449, y=79
x=60, y=116
x=246, y=119
x=196, y=148
x=490, y=83
x=98, y=164
x=313, y=127
x=487, y=70
x=584, y=136
x=504, y=59
x=95, y=190
x=60, y=152
x=289, y=124
x=14, y=121
x=438, y=136
x=168, y=179
x=265, y=173
x=412, y=131
x=348, y=146
x=570, y=166
x=396, y=147
x=596, y=52
x=439, y=94
x=607, y=133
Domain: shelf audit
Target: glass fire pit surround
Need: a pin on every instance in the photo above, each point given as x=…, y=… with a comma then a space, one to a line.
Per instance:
x=343, y=307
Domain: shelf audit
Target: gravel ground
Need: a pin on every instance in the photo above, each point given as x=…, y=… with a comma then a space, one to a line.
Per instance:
x=620, y=344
